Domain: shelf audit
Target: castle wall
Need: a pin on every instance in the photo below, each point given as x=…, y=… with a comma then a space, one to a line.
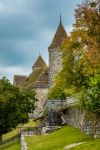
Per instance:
x=54, y=64
x=42, y=97
x=72, y=115
x=82, y=120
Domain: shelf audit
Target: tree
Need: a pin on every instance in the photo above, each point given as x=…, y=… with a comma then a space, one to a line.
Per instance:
x=90, y=99
x=81, y=50
x=15, y=105
x=87, y=32
x=56, y=93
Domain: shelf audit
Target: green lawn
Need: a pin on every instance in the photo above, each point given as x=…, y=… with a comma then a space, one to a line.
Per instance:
x=58, y=140
x=61, y=138
x=17, y=130
x=15, y=146
x=90, y=145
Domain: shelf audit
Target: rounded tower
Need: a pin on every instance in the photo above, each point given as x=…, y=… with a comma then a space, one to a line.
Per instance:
x=55, y=54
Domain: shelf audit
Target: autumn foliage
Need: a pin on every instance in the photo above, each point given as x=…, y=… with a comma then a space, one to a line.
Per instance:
x=81, y=50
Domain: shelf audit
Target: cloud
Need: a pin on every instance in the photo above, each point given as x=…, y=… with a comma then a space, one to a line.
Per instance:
x=11, y=7
x=27, y=28
x=9, y=71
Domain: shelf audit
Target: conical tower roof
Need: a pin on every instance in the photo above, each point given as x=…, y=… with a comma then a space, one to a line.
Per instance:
x=59, y=37
x=39, y=63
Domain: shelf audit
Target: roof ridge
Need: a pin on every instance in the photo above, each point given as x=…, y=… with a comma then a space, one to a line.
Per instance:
x=20, y=75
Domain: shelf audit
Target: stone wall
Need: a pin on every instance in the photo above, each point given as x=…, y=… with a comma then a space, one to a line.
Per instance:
x=71, y=114
x=42, y=97
x=75, y=117
x=80, y=119
x=54, y=64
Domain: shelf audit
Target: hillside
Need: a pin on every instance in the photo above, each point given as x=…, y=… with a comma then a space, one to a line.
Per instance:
x=61, y=138
x=58, y=140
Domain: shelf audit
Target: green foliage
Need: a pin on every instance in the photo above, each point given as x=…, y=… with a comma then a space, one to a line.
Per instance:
x=15, y=105
x=81, y=50
x=90, y=98
x=56, y=93
x=27, y=100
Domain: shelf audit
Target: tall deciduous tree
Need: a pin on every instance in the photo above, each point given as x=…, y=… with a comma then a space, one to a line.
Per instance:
x=81, y=50
x=15, y=105
x=83, y=45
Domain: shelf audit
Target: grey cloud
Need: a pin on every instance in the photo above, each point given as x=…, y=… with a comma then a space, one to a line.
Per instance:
x=27, y=28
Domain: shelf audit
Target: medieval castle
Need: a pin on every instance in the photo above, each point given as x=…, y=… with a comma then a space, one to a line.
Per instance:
x=42, y=76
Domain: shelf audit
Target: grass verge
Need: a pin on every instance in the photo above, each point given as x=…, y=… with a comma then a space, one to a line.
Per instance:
x=17, y=130
x=15, y=146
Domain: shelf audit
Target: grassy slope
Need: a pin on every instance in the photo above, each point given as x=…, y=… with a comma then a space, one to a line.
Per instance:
x=61, y=138
x=17, y=130
x=90, y=145
x=58, y=140
x=15, y=146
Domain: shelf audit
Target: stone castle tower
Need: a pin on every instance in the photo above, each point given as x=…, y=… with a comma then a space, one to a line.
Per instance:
x=55, y=53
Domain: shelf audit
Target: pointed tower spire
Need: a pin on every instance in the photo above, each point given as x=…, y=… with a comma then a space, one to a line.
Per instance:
x=60, y=18
x=59, y=36
x=39, y=54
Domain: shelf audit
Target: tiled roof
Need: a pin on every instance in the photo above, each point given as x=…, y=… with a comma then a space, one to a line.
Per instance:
x=41, y=81
x=39, y=62
x=33, y=77
x=59, y=37
x=19, y=79
x=38, y=77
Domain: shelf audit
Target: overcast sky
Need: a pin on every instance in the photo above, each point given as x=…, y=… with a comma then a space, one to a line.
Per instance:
x=27, y=27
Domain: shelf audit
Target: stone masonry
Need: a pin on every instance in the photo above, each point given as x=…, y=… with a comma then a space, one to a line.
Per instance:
x=54, y=64
x=42, y=96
